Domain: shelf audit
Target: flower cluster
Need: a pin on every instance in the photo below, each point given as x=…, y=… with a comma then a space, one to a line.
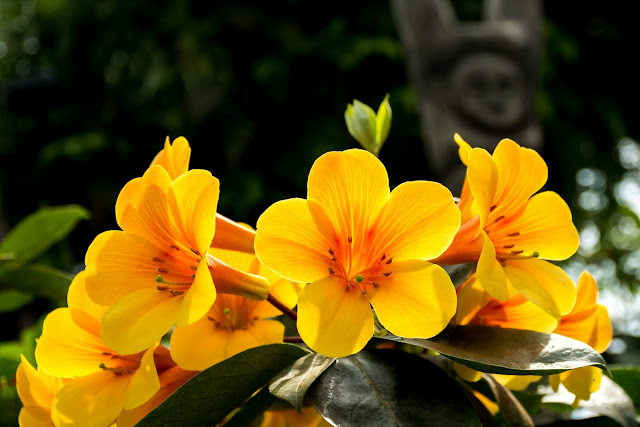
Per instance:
x=180, y=288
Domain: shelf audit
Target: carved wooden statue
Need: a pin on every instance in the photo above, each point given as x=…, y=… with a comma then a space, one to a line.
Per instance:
x=477, y=78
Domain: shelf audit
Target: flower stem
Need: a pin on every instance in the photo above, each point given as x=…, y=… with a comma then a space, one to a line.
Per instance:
x=294, y=339
x=283, y=308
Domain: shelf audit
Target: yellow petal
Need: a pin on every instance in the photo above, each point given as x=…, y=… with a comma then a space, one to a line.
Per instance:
x=604, y=330
x=416, y=301
x=545, y=227
x=199, y=298
x=119, y=263
x=587, y=297
x=333, y=320
x=144, y=381
x=463, y=148
x=211, y=348
x=467, y=204
x=352, y=186
x=542, y=283
x=521, y=173
x=471, y=298
x=490, y=273
x=554, y=382
x=65, y=349
x=582, y=381
x=174, y=158
x=142, y=207
x=92, y=400
x=262, y=332
x=516, y=382
x=418, y=222
x=136, y=321
x=170, y=380
x=466, y=373
x=84, y=311
x=233, y=236
x=290, y=242
x=482, y=174
x=34, y=416
x=193, y=198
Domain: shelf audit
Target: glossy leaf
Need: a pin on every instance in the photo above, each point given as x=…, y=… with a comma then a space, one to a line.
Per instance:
x=11, y=300
x=509, y=351
x=390, y=388
x=610, y=400
x=38, y=231
x=250, y=414
x=39, y=280
x=212, y=394
x=292, y=383
x=511, y=409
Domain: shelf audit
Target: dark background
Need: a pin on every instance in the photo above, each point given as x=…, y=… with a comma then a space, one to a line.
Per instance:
x=90, y=90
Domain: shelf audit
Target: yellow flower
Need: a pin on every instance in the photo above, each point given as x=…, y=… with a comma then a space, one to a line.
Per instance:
x=308, y=417
x=104, y=382
x=515, y=230
x=588, y=322
x=174, y=158
x=36, y=390
x=360, y=245
x=477, y=307
x=170, y=380
x=234, y=323
x=156, y=272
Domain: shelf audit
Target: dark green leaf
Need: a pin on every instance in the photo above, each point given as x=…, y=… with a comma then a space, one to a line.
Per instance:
x=38, y=231
x=628, y=377
x=11, y=300
x=9, y=406
x=40, y=280
x=512, y=411
x=292, y=382
x=212, y=394
x=509, y=351
x=250, y=414
x=390, y=388
x=610, y=400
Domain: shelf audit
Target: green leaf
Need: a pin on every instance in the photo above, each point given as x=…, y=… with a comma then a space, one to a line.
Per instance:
x=40, y=280
x=390, y=388
x=292, y=382
x=11, y=300
x=628, y=377
x=250, y=414
x=38, y=231
x=511, y=409
x=509, y=351
x=610, y=400
x=212, y=394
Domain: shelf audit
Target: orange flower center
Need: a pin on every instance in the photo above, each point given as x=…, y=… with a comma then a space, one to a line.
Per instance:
x=370, y=276
x=121, y=364
x=233, y=319
x=177, y=269
x=504, y=236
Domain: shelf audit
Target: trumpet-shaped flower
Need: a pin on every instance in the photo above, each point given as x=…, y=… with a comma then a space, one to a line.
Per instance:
x=174, y=158
x=359, y=245
x=588, y=322
x=233, y=324
x=104, y=382
x=156, y=271
x=515, y=230
x=36, y=390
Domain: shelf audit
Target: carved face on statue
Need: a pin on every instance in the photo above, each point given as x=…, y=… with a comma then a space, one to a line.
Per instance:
x=476, y=78
x=489, y=89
